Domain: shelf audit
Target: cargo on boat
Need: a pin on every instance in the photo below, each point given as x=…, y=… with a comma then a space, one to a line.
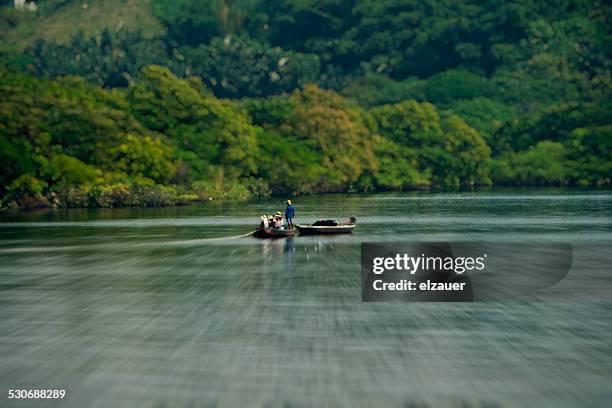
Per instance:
x=328, y=227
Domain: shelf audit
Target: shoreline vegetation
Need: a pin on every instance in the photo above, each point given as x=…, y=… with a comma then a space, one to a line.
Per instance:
x=239, y=99
x=135, y=196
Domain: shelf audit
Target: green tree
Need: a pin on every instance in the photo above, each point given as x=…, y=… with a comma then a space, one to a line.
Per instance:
x=68, y=132
x=449, y=86
x=289, y=164
x=398, y=167
x=111, y=59
x=211, y=135
x=195, y=22
x=447, y=148
x=338, y=131
x=236, y=66
x=541, y=164
x=483, y=114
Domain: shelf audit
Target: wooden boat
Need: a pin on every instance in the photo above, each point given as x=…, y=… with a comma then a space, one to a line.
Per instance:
x=328, y=227
x=270, y=232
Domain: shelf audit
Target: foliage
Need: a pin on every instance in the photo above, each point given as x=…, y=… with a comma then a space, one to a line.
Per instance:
x=448, y=149
x=377, y=89
x=539, y=164
x=68, y=133
x=111, y=58
x=398, y=167
x=290, y=165
x=117, y=103
x=455, y=85
x=337, y=130
x=237, y=66
x=486, y=115
x=213, y=135
x=195, y=22
x=61, y=20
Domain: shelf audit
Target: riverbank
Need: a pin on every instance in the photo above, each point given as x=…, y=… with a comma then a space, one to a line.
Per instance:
x=157, y=196
x=119, y=195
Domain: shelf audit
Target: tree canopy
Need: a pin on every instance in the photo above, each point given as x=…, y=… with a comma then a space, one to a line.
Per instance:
x=191, y=99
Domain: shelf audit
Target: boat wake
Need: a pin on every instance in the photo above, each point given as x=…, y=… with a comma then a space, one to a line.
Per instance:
x=121, y=245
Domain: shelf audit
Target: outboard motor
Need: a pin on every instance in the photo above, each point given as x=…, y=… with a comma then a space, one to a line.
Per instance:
x=352, y=220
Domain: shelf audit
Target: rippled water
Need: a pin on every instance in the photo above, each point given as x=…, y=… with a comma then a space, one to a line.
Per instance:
x=147, y=308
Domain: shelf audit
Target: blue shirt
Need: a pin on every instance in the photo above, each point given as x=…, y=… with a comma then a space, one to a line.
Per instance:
x=290, y=211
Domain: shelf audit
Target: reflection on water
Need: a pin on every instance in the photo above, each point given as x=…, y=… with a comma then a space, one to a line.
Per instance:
x=140, y=309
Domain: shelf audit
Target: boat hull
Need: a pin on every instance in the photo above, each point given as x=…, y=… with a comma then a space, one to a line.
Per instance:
x=325, y=230
x=273, y=233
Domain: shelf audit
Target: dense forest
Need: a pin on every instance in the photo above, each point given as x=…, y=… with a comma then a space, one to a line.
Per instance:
x=122, y=102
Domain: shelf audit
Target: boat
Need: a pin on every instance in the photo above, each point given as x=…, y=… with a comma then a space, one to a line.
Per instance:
x=328, y=227
x=271, y=232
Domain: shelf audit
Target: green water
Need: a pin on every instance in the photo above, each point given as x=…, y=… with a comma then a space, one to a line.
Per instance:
x=137, y=308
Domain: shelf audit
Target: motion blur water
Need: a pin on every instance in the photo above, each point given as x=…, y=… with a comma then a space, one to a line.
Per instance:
x=136, y=308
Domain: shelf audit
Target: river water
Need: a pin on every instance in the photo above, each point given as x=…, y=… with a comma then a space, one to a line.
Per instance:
x=139, y=308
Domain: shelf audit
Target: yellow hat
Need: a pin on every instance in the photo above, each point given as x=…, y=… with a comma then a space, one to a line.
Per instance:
x=278, y=213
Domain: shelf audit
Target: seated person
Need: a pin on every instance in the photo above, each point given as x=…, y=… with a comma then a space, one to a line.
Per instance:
x=278, y=220
x=264, y=221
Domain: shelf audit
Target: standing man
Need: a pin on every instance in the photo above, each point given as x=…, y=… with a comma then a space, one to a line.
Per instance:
x=289, y=214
